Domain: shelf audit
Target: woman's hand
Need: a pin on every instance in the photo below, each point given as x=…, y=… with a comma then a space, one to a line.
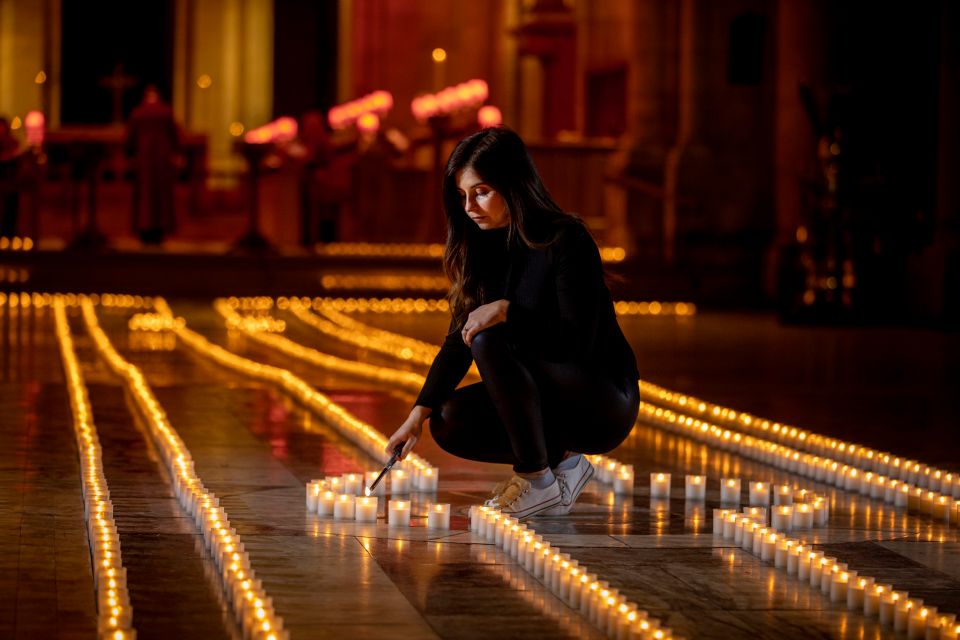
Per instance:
x=483, y=317
x=409, y=431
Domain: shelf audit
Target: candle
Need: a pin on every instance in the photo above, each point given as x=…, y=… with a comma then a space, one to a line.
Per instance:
x=579, y=595
x=696, y=488
x=817, y=569
x=399, y=482
x=851, y=481
x=857, y=592
x=369, y=478
x=802, y=517
x=398, y=513
x=660, y=485
x=927, y=502
x=902, y=498
x=353, y=484
x=623, y=481
x=429, y=479
x=782, y=518
x=821, y=512
x=759, y=494
x=758, y=537
x=941, y=508
x=768, y=547
x=783, y=494
x=782, y=553
x=917, y=622
x=335, y=485
x=888, y=606
x=838, y=586
x=325, y=503
x=541, y=561
x=366, y=508
x=730, y=526
x=807, y=563
x=795, y=555
x=878, y=488
x=730, y=491
x=871, y=599
x=903, y=611
x=757, y=514
x=313, y=492
x=719, y=515
x=826, y=579
x=344, y=508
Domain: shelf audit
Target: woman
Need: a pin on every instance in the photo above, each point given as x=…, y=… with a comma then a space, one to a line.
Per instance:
x=531, y=308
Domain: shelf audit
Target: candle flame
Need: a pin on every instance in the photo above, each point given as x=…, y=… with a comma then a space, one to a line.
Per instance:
x=366, y=491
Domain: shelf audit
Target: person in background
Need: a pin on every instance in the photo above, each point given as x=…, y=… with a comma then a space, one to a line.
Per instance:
x=530, y=306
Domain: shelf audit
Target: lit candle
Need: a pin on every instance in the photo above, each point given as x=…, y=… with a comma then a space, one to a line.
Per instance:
x=313, y=492
x=942, y=508
x=795, y=555
x=851, y=481
x=807, y=563
x=541, y=561
x=578, y=595
x=802, y=517
x=927, y=502
x=871, y=599
x=719, y=515
x=758, y=537
x=768, y=547
x=438, y=517
x=660, y=485
x=838, y=586
x=915, y=500
x=743, y=534
x=398, y=513
x=325, y=503
x=757, y=514
x=344, y=508
x=782, y=518
x=917, y=623
x=730, y=491
x=399, y=482
x=821, y=512
x=696, y=488
x=730, y=526
x=903, y=611
x=369, y=478
x=335, y=485
x=826, y=580
x=902, y=499
x=366, y=509
x=783, y=495
x=759, y=494
x=857, y=592
x=782, y=552
x=623, y=480
x=818, y=568
x=353, y=484
x=889, y=601
x=429, y=479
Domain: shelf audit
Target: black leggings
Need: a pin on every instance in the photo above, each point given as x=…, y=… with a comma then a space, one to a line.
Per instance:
x=528, y=412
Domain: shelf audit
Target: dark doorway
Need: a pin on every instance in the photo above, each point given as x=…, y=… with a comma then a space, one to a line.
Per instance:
x=129, y=44
x=305, y=56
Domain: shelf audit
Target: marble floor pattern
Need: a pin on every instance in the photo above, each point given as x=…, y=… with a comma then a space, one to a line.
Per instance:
x=255, y=449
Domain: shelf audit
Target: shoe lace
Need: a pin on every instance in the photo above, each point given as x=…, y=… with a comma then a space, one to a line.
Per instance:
x=564, y=487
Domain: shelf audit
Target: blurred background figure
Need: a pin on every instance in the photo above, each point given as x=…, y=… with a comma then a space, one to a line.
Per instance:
x=152, y=141
x=325, y=181
x=9, y=198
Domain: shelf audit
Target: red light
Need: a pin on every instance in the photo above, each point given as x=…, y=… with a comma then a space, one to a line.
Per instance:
x=489, y=116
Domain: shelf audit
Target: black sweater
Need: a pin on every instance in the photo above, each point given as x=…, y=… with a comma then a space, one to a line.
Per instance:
x=560, y=311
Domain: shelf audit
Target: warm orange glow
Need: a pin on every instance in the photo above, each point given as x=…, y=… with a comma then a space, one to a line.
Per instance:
x=468, y=94
x=41, y=77
x=204, y=81
x=438, y=55
x=35, y=124
x=368, y=123
x=489, y=116
x=348, y=113
x=236, y=129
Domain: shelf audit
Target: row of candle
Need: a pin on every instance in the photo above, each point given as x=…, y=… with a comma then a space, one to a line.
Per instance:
x=865, y=458
x=402, y=480
x=365, y=436
x=842, y=476
x=407, y=380
x=114, y=612
x=252, y=608
x=346, y=506
x=612, y=472
x=604, y=606
x=845, y=587
x=40, y=300
x=350, y=305
x=735, y=527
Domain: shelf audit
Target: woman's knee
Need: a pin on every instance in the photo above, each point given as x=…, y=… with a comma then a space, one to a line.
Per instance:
x=488, y=343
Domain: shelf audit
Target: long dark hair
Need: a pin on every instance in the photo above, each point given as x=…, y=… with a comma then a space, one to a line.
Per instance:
x=500, y=158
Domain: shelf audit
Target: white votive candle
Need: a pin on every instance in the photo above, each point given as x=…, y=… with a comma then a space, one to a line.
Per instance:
x=335, y=485
x=366, y=508
x=325, y=503
x=903, y=611
x=399, y=482
x=917, y=624
x=802, y=516
x=783, y=494
x=758, y=514
x=623, y=480
x=438, y=517
x=313, y=492
x=344, y=508
x=398, y=513
x=806, y=563
x=782, y=518
x=429, y=479
x=730, y=491
x=857, y=593
x=758, y=537
x=942, y=509
x=795, y=554
x=821, y=513
x=660, y=485
x=696, y=488
x=871, y=599
x=759, y=494
x=730, y=526
x=369, y=478
x=353, y=484
x=768, y=547
x=888, y=607
x=902, y=499
x=838, y=587
x=718, y=517
x=782, y=553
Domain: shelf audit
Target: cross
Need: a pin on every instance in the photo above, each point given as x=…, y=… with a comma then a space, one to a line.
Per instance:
x=117, y=83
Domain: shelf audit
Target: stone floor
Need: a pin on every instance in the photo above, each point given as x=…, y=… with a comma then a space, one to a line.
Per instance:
x=887, y=388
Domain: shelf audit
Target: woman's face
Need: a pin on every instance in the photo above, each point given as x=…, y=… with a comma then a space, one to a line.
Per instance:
x=483, y=205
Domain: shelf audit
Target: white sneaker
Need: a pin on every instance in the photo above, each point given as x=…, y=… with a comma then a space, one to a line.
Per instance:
x=516, y=497
x=572, y=482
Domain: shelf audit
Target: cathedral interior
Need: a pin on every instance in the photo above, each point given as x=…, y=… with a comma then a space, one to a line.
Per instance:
x=221, y=287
